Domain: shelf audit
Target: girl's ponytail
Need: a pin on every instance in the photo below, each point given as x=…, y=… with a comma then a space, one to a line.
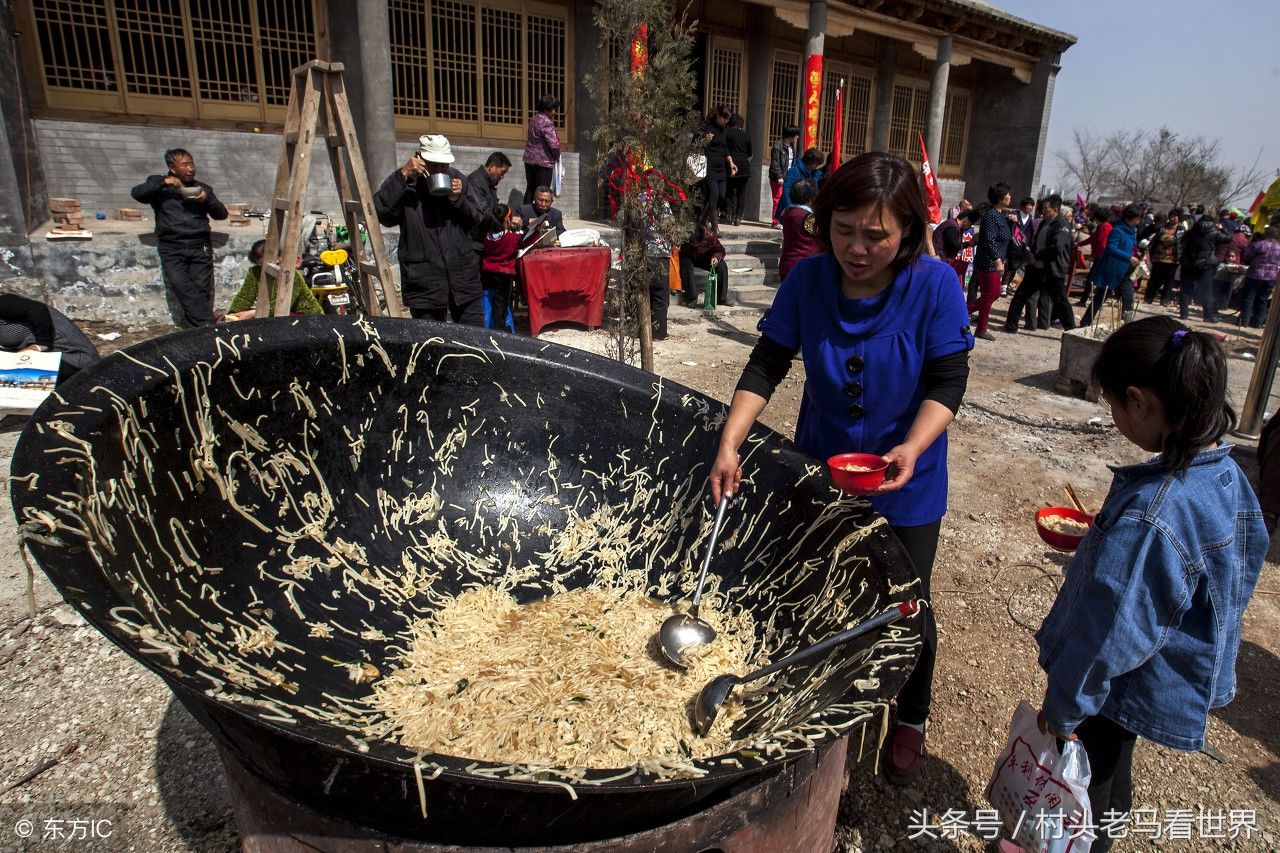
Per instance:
x=1185, y=369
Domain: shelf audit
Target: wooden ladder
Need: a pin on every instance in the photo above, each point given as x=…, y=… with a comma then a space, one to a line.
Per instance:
x=318, y=96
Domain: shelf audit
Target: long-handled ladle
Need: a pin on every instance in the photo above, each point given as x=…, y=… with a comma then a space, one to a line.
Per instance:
x=711, y=697
x=683, y=631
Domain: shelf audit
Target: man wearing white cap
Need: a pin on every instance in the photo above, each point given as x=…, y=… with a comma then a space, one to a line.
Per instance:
x=439, y=265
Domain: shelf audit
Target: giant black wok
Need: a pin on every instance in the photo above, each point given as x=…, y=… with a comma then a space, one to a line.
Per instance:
x=194, y=492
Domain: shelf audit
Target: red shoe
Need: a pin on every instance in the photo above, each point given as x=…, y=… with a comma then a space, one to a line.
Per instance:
x=904, y=755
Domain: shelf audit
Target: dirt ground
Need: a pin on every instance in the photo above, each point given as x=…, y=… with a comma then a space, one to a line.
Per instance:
x=115, y=746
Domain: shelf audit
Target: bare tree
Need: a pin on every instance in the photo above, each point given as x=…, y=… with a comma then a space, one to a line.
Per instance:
x=1158, y=166
x=1086, y=162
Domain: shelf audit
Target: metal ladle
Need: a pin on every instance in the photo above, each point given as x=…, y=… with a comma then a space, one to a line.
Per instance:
x=683, y=631
x=711, y=697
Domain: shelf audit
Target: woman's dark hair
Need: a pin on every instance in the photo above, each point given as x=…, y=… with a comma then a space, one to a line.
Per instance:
x=547, y=103
x=255, y=252
x=969, y=214
x=802, y=192
x=501, y=213
x=736, y=120
x=814, y=158
x=885, y=181
x=1186, y=370
x=790, y=131
x=1100, y=214
x=718, y=111
x=1026, y=201
x=1131, y=211
x=997, y=192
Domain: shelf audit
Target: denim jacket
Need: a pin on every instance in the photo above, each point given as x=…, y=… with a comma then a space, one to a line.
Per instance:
x=1146, y=628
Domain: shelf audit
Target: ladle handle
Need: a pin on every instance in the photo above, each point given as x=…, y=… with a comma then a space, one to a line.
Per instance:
x=906, y=608
x=711, y=550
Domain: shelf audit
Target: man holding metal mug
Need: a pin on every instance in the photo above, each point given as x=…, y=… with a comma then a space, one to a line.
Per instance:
x=439, y=267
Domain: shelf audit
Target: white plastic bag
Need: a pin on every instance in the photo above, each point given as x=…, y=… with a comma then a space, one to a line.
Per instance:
x=1042, y=796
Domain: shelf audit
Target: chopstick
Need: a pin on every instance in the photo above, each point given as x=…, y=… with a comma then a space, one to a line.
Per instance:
x=1071, y=495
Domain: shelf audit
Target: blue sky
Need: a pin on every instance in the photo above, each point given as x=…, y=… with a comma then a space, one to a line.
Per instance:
x=1199, y=68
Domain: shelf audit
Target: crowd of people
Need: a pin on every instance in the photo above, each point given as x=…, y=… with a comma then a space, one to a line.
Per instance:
x=1125, y=253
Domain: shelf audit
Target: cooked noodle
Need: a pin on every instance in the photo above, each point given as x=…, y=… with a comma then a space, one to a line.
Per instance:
x=568, y=681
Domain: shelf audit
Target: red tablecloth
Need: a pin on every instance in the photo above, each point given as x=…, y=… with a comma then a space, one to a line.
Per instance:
x=565, y=284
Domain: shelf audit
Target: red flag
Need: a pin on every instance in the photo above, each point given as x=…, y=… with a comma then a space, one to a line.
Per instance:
x=1080, y=204
x=932, y=193
x=1257, y=202
x=834, y=162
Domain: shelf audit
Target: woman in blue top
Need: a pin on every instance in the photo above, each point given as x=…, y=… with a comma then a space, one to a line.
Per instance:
x=1111, y=271
x=870, y=314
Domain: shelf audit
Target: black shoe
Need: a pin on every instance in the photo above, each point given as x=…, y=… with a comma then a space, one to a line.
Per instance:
x=1009, y=330
x=986, y=336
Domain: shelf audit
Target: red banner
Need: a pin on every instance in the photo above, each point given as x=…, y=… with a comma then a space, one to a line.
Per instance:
x=932, y=192
x=640, y=50
x=834, y=162
x=812, y=100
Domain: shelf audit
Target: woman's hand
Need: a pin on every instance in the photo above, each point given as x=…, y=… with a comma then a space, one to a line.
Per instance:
x=1044, y=725
x=726, y=473
x=902, y=464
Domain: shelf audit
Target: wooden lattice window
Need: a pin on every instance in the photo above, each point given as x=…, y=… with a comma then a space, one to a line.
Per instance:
x=784, y=93
x=75, y=41
x=410, y=58
x=724, y=74
x=189, y=58
x=955, y=131
x=857, y=109
x=907, y=119
x=153, y=48
x=547, y=61
x=476, y=69
x=285, y=37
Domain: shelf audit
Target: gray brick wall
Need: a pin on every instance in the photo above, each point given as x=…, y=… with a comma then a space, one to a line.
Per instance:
x=100, y=163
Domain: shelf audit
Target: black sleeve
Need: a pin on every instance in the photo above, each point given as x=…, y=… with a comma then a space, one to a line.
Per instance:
x=952, y=242
x=147, y=191
x=768, y=366
x=944, y=379
x=29, y=314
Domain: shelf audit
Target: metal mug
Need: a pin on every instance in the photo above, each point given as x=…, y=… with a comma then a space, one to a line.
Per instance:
x=441, y=183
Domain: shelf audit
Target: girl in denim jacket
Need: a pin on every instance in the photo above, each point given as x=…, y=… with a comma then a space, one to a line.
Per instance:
x=1142, y=639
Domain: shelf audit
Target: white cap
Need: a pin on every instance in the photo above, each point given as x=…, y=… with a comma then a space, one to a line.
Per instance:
x=435, y=149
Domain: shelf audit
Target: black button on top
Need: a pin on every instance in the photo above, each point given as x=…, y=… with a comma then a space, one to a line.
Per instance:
x=855, y=411
x=853, y=389
x=854, y=364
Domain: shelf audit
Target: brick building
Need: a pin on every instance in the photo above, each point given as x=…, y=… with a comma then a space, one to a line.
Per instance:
x=102, y=87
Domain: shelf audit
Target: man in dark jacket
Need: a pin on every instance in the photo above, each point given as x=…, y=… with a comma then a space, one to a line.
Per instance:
x=182, y=208
x=1199, y=263
x=439, y=264
x=540, y=214
x=781, y=156
x=482, y=187
x=1052, y=247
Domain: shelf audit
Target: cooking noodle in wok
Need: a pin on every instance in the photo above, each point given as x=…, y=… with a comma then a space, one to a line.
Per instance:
x=568, y=681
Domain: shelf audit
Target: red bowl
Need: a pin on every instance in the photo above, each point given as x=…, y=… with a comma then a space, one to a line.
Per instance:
x=857, y=482
x=1061, y=541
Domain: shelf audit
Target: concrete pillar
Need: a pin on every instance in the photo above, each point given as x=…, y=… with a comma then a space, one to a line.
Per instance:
x=759, y=65
x=1009, y=127
x=813, y=47
x=585, y=105
x=359, y=36
x=24, y=202
x=938, y=100
x=884, y=94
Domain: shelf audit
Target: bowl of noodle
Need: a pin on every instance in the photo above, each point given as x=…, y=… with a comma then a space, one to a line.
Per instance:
x=411, y=574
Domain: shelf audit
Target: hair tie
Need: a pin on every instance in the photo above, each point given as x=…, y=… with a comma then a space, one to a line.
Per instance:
x=1177, y=338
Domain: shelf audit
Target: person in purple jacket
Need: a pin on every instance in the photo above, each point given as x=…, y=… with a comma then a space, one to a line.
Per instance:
x=885, y=339
x=542, y=147
x=1262, y=256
